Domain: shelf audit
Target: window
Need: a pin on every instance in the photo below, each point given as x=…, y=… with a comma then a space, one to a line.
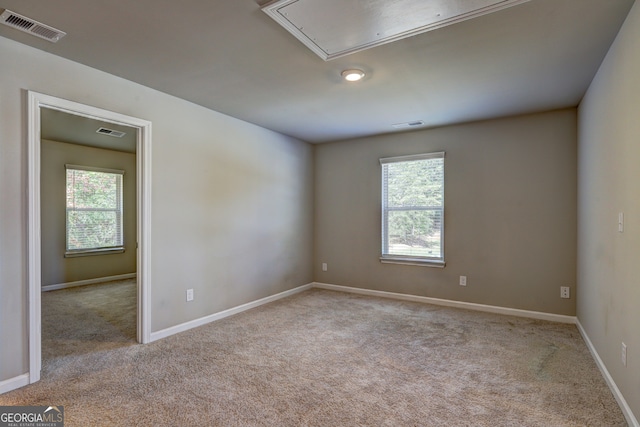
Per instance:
x=94, y=210
x=413, y=209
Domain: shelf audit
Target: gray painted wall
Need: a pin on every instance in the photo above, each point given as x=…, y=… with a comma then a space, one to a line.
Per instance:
x=609, y=182
x=55, y=267
x=510, y=212
x=232, y=203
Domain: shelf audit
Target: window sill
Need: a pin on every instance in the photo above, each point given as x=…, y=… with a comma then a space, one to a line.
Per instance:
x=92, y=252
x=413, y=261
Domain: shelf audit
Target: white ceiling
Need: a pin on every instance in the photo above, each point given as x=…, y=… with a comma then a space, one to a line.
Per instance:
x=229, y=56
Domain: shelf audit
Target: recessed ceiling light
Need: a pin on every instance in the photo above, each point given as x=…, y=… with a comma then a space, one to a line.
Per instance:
x=352, y=75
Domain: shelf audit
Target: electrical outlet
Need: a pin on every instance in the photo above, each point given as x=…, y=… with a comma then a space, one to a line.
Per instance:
x=624, y=354
x=463, y=280
x=189, y=295
x=565, y=292
x=324, y=266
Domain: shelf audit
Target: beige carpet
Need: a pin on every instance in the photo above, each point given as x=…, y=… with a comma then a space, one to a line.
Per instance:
x=319, y=358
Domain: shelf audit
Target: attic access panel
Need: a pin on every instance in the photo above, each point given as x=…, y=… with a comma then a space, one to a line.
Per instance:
x=335, y=28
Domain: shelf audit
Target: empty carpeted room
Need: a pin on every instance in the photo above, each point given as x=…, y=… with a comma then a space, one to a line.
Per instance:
x=263, y=274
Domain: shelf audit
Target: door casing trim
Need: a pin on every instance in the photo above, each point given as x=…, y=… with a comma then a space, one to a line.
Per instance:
x=36, y=101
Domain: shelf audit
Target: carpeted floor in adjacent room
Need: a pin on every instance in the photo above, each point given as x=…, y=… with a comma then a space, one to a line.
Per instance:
x=319, y=358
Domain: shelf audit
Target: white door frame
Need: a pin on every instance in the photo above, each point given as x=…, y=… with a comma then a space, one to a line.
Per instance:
x=36, y=101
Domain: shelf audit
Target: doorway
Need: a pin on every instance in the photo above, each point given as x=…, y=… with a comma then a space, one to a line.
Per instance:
x=37, y=103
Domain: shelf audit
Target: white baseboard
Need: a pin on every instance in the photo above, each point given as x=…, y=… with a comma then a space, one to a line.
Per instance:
x=46, y=288
x=14, y=383
x=450, y=303
x=226, y=313
x=624, y=406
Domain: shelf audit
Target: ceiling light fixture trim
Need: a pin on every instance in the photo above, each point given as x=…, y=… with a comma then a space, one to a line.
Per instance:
x=335, y=28
x=353, y=75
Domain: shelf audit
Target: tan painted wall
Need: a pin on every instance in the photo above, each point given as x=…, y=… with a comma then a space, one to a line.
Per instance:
x=510, y=212
x=231, y=203
x=609, y=182
x=55, y=267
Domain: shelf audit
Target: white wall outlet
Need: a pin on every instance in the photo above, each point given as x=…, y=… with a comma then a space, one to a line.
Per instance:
x=624, y=354
x=324, y=266
x=189, y=295
x=463, y=280
x=565, y=292
x=620, y=222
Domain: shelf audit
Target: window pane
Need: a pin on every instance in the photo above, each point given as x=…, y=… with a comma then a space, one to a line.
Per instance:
x=415, y=183
x=413, y=207
x=415, y=233
x=92, y=229
x=88, y=189
x=94, y=209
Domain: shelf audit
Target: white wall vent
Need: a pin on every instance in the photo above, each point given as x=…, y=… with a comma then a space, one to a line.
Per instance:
x=30, y=26
x=335, y=28
x=406, y=125
x=111, y=132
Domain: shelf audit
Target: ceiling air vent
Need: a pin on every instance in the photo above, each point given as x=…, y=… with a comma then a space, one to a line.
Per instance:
x=407, y=125
x=30, y=26
x=111, y=132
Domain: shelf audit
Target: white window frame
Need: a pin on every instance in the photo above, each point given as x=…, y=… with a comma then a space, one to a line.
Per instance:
x=404, y=259
x=118, y=210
